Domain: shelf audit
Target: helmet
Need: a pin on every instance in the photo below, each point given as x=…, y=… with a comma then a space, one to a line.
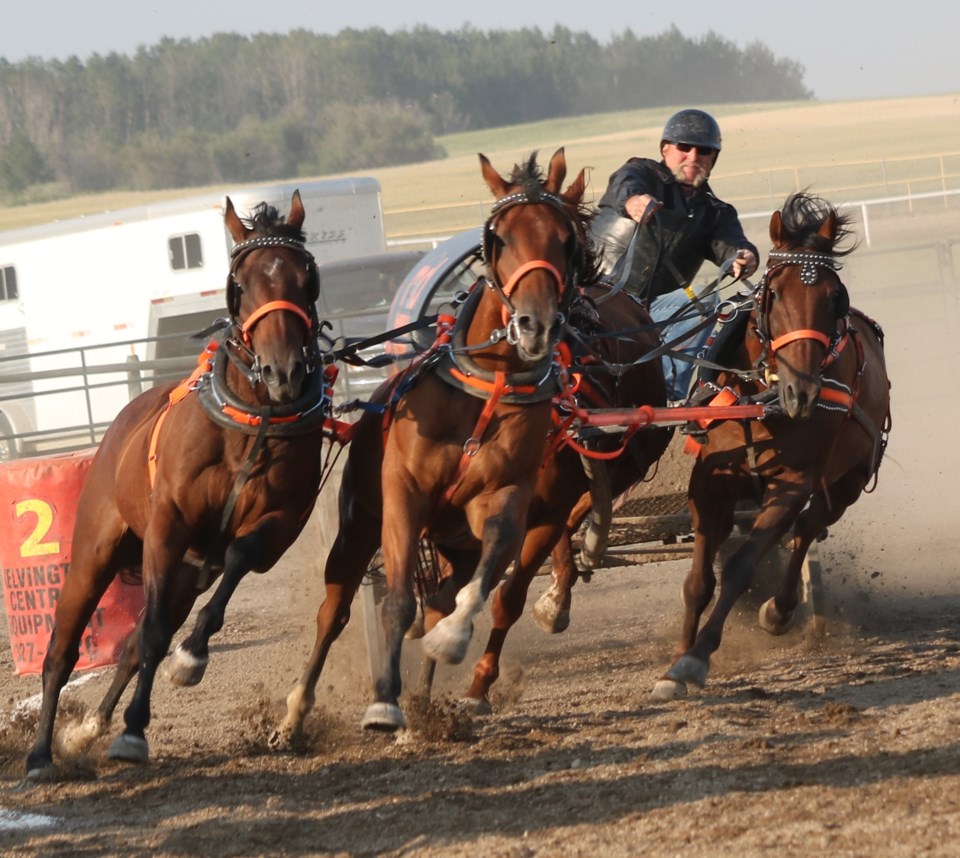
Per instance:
x=694, y=127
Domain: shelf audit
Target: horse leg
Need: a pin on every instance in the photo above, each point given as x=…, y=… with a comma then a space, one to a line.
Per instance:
x=346, y=565
x=777, y=614
x=188, y=663
x=460, y=564
x=500, y=519
x=778, y=512
x=507, y=607
x=163, y=549
x=551, y=612
x=400, y=548
x=96, y=559
x=74, y=738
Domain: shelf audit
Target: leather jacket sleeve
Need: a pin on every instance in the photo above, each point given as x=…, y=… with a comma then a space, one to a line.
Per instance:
x=671, y=249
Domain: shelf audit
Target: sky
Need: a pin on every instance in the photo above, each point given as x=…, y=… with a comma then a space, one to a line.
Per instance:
x=850, y=49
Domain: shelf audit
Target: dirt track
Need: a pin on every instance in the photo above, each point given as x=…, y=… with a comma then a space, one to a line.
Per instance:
x=847, y=745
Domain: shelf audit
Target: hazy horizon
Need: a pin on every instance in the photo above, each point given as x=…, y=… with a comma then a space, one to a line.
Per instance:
x=849, y=50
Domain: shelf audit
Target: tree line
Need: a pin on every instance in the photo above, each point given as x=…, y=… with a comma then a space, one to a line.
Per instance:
x=231, y=108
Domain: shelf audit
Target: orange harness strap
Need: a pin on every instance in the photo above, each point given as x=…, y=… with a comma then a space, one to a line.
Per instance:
x=204, y=364
x=269, y=307
x=472, y=444
x=524, y=269
x=691, y=446
x=800, y=334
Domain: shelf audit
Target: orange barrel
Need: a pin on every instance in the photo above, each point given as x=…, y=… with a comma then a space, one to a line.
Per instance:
x=38, y=500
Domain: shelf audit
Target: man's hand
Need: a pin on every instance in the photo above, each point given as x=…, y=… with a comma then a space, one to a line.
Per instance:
x=642, y=207
x=744, y=264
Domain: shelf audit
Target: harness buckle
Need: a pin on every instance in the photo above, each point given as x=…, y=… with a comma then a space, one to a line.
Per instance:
x=471, y=447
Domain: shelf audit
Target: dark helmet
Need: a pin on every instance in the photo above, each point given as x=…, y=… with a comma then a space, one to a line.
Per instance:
x=694, y=127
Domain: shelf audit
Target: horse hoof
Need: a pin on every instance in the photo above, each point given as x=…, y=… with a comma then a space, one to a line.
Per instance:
x=549, y=616
x=282, y=739
x=129, y=749
x=772, y=621
x=383, y=716
x=689, y=670
x=41, y=771
x=445, y=643
x=473, y=706
x=184, y=668
x=668, y=689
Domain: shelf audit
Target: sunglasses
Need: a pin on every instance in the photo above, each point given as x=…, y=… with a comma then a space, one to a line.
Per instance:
x=702, y=151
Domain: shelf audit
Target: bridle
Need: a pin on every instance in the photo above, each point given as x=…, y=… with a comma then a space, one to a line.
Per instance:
x=565, y=285
x=810, y=266
x=244, y=328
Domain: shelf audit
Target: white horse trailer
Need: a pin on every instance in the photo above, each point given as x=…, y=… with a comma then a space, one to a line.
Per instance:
x=92, y=295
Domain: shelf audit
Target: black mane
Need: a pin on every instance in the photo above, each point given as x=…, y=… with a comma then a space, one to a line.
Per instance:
x=802, y=216
x=528, y=176
x=267, y=220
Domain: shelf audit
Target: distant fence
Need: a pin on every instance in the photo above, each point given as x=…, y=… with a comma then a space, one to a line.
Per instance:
x=891, y=206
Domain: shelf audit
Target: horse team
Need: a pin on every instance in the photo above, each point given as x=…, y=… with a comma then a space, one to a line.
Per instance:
x=473, y=447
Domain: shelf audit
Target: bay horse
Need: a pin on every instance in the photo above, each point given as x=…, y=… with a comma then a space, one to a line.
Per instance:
x=822, y=363
x=611, y=334
x=213, y=477
x=503, y=504
x=457, y=457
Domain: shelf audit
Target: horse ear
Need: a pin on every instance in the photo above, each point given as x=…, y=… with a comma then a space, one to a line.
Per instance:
x=828, y=229
x=297, y=214
x=233, y=223
x=557, y=172
x=493, y=179
x=776, y=229
x=573, y=195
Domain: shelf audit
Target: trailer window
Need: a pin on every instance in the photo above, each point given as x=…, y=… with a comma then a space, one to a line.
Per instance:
x=8, y=284
x=185, y=252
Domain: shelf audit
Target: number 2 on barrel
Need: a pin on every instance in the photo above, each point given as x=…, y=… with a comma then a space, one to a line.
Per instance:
x=33, y=546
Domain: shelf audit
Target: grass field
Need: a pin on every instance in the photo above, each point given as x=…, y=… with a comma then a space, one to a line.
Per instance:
x=843, y=150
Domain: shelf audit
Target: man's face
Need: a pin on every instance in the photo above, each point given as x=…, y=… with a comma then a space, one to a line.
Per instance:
x=690, y=165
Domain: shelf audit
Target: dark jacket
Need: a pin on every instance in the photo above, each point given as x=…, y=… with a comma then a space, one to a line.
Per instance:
x=672, y=247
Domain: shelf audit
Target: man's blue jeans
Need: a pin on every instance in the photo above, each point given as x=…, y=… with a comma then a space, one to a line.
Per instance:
x=679, y=372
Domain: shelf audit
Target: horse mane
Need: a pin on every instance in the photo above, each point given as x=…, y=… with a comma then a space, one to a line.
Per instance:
x=267, y=220
x=801, y=217
x=528, y=177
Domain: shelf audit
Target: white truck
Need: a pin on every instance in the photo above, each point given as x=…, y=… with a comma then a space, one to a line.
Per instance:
x=92, y=307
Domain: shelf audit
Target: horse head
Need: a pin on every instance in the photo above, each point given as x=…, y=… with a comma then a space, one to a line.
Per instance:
x=271, y=291
x=534, y=247
x=801, y=301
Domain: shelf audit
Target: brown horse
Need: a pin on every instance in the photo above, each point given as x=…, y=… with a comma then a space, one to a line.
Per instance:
x=468, y=427
x=611, y=340
x=823, y=364
x=218, y=474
